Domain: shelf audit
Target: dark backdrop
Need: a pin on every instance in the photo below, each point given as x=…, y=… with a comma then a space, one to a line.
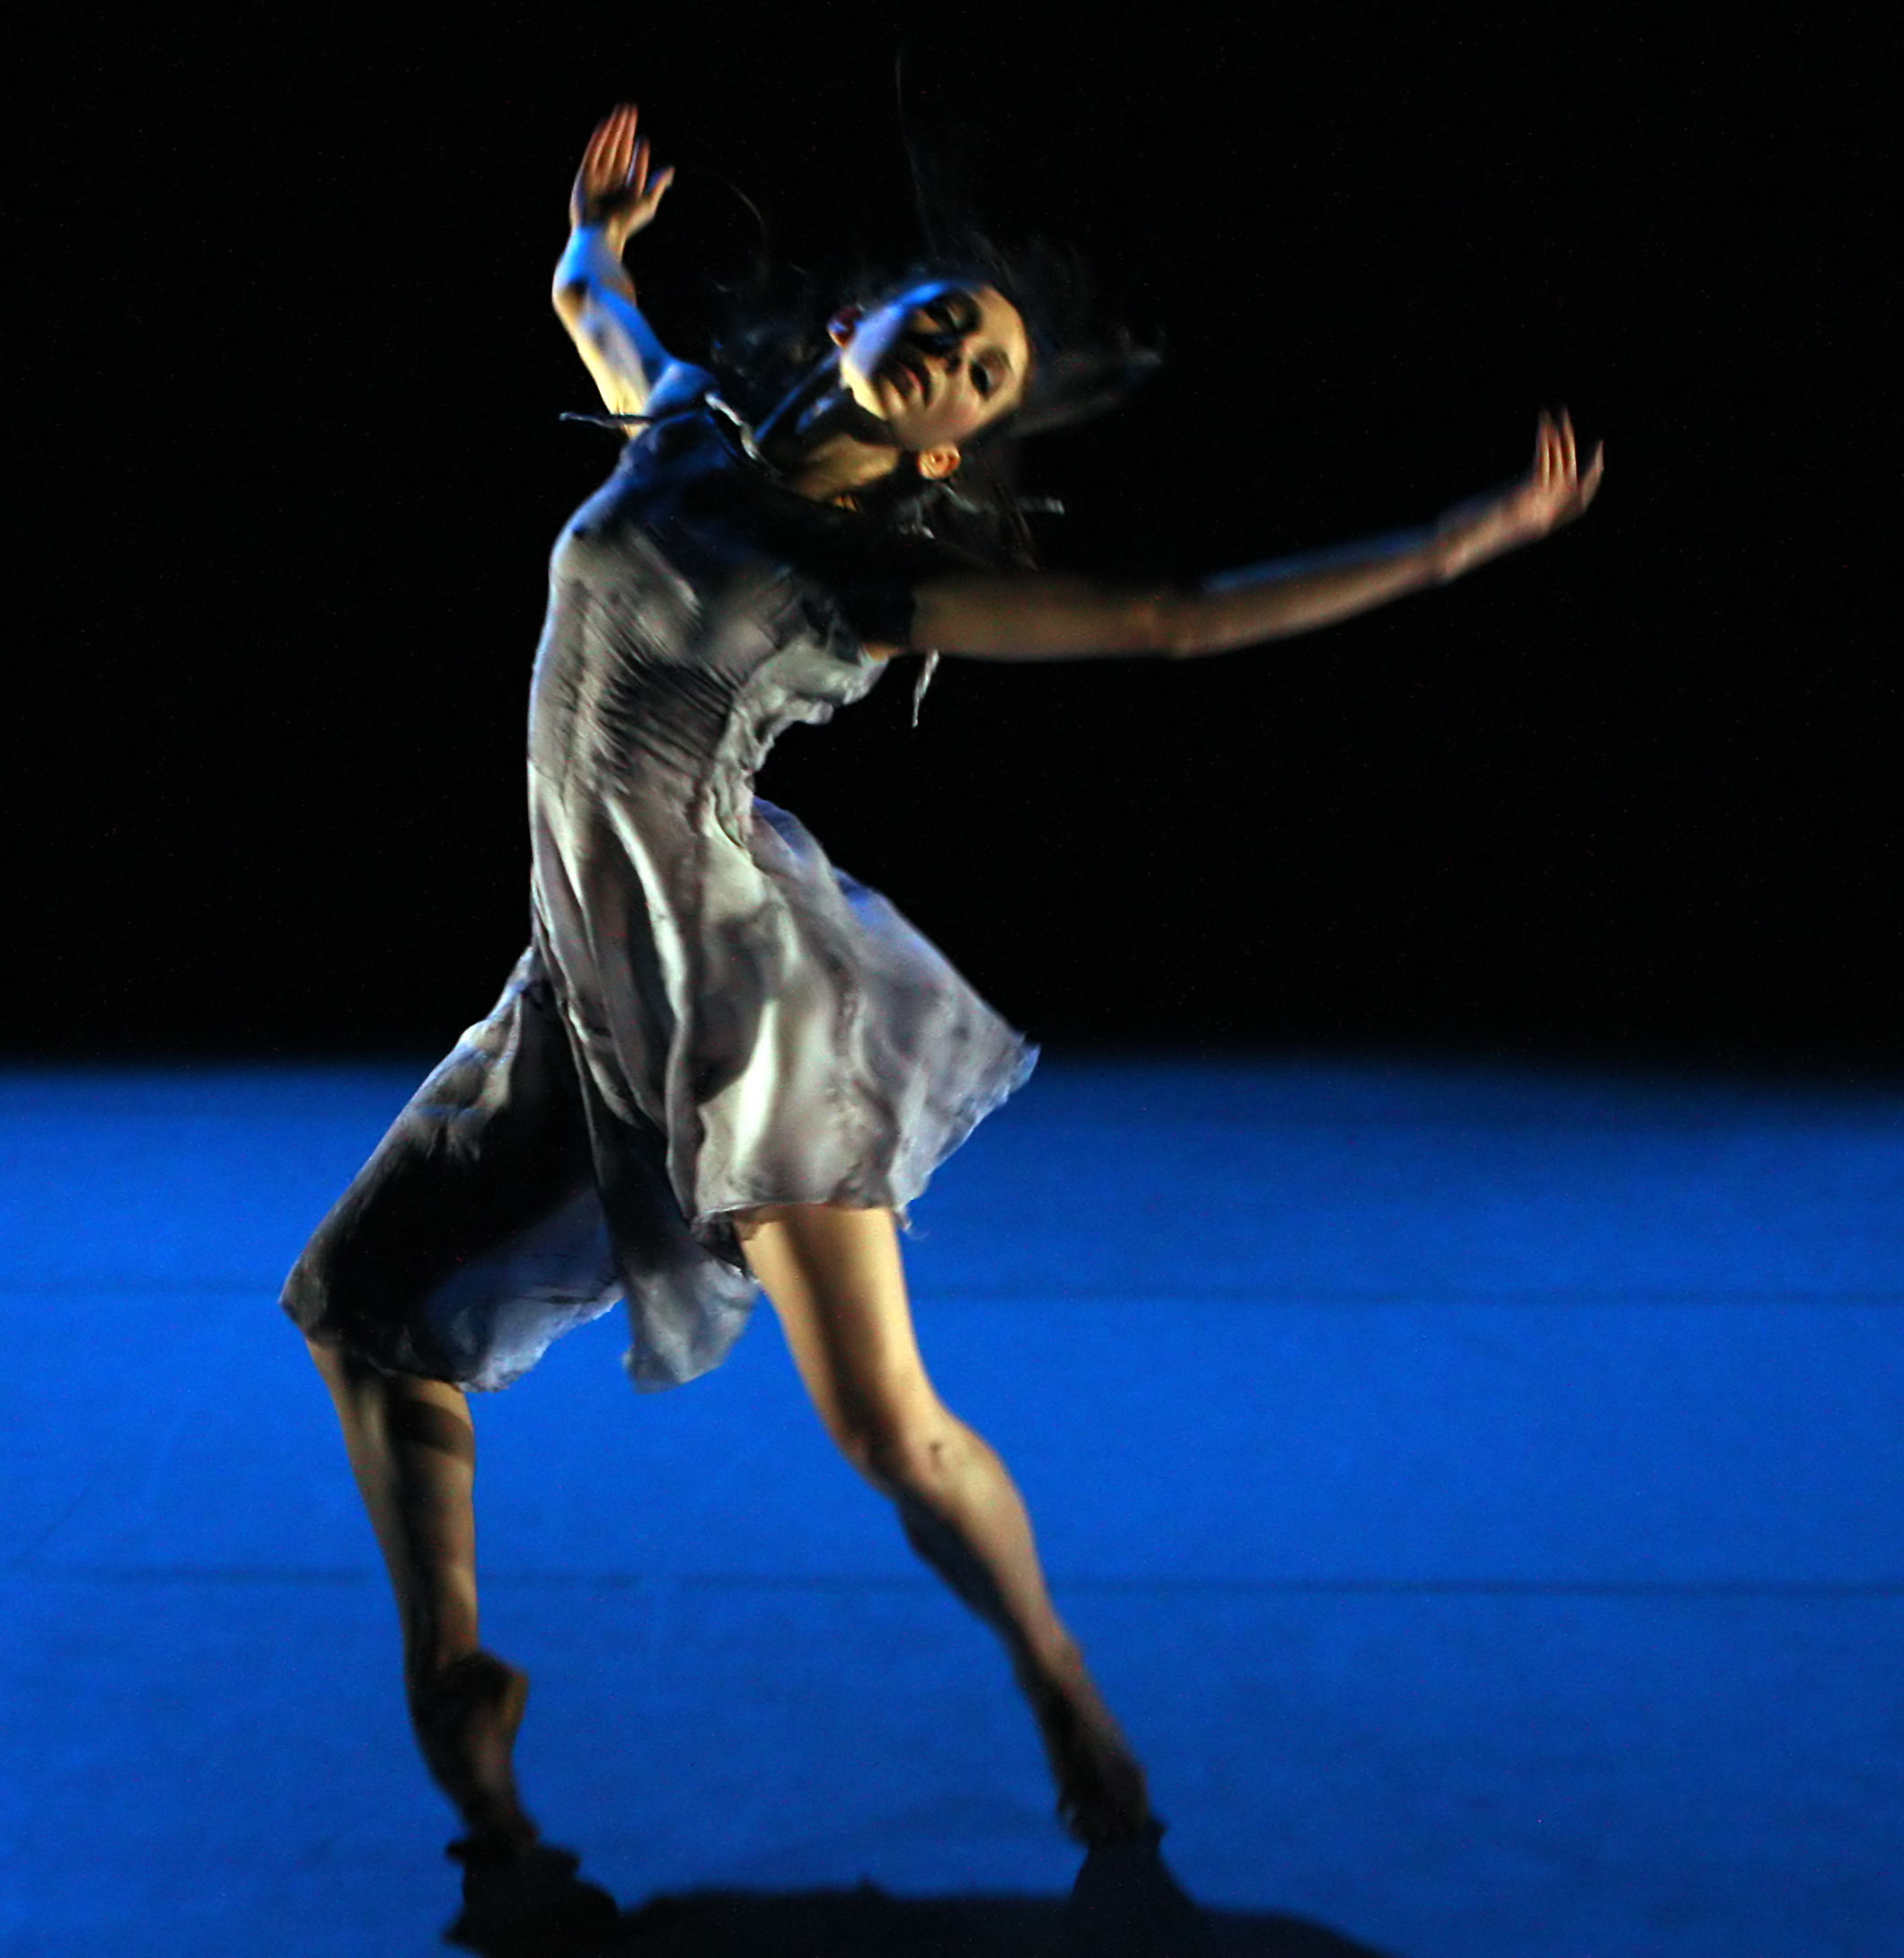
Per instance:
x=288, y=467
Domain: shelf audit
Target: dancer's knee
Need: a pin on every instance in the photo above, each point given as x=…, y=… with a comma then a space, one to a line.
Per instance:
x=908, y=1452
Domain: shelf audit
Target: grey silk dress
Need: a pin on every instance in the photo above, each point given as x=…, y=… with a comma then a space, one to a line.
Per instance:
x=710, y=1017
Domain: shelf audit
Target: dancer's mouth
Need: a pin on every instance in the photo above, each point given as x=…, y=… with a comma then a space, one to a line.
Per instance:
x=907, y=366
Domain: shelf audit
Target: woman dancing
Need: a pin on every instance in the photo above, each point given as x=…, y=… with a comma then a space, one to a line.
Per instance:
x=721, y=1063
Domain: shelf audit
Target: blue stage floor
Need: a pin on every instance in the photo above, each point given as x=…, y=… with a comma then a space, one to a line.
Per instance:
x=1481, y=1495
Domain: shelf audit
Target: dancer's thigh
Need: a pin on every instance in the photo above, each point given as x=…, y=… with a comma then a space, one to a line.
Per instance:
x=837, y=1282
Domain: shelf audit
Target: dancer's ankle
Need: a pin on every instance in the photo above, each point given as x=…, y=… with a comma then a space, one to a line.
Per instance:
x=427, y=1670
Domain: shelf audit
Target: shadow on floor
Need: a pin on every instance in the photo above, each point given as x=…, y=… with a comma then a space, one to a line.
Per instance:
x=1125, y=1904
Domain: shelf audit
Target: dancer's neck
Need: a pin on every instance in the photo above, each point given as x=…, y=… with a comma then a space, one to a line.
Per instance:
x=834, y=469
x=825, y=445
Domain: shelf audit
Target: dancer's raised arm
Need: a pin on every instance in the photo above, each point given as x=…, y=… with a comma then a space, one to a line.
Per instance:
x=1042, y=616
x=615, y=195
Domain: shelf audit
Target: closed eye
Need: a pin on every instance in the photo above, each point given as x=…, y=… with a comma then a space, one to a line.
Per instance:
x=991, y=373
x=954, y=311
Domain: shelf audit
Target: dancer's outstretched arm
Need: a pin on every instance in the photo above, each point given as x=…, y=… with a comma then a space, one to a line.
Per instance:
x=1041, y=616
x=616, y=194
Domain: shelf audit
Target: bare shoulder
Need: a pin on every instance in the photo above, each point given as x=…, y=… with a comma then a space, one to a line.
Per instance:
x=682, y=386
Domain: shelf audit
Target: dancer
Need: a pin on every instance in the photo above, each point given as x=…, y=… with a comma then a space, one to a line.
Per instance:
x=722, y=1064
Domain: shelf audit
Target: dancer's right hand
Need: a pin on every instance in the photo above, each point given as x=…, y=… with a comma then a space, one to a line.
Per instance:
x=613, y=188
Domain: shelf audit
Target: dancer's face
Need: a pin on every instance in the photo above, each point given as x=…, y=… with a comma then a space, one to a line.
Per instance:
x=935, y=364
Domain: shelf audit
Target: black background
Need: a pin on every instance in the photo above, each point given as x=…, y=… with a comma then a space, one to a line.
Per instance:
x=287, y=466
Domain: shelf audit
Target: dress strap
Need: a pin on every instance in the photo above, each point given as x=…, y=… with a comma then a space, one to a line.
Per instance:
x=617, y=422
x=927, y=667
x=737, y=425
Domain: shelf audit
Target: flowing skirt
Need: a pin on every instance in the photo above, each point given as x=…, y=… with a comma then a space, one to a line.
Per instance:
x=597, y=1135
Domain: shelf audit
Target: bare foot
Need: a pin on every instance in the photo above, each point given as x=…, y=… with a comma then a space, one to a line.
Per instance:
x=465, y=1720
x=1101, y=1792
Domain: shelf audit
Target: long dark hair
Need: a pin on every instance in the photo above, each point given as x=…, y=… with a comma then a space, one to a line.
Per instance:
x=775, y=341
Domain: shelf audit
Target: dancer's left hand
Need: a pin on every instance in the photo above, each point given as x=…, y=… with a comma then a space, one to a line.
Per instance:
x=1554, y=491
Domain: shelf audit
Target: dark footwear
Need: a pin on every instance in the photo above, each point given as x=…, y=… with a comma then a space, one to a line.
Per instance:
x=539, y=1907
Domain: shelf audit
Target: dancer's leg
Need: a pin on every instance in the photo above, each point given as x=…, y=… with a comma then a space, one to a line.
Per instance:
x=413, y=1451
x=836, y=1281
